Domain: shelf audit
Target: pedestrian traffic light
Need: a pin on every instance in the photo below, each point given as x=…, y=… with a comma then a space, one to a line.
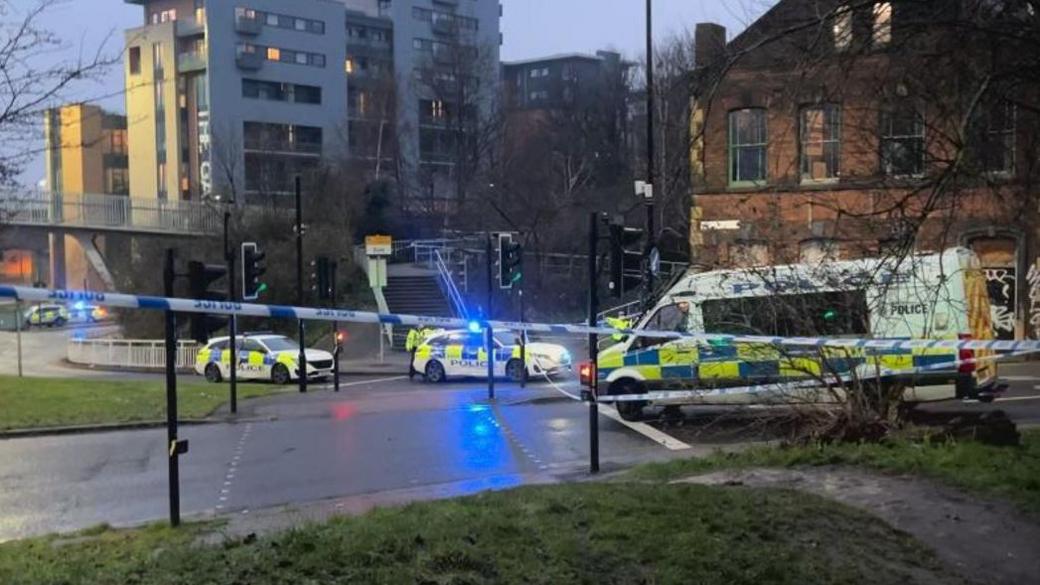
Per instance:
x=510, y=261
x=321, y=277
x=626, y=258
x=201, y=278
x=252, y=269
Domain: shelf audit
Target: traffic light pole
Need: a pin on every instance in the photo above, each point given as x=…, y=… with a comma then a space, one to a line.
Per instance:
x=335, y=332
x=229, y=256
x=302, y=359
x=593, y=347
x=490, y=334
x=171, y=395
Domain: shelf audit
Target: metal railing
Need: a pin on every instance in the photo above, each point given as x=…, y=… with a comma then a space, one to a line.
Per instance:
x=448, y=284
x=144, y=354
x=108, y=212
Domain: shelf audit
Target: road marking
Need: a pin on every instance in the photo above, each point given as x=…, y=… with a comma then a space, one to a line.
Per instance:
x=1020, y=378
x=644, y=429
x=1016, y=398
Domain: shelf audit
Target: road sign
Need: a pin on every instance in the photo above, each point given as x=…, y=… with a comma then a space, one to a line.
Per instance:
x=377, y=272
x=378, y=245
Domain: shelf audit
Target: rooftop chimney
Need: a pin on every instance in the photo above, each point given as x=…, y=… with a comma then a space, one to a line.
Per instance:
x=709, y=40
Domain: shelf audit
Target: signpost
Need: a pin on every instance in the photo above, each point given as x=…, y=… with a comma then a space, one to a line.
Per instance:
x=377, y=248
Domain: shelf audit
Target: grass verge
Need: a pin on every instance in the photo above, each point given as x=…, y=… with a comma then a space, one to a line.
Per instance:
x=573, y=533
x=49, y=402
x=1009, y=472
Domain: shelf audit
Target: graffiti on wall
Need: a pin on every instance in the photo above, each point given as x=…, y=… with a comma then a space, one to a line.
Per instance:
x=1033, y=278
x=1001, y=284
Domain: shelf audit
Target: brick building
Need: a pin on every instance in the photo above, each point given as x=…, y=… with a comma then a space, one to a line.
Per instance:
x=841, y=129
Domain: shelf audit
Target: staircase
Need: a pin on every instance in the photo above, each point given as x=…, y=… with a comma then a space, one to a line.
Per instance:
x=415, y=294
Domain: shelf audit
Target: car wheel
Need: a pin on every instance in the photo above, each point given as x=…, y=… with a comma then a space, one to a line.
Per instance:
x=629, y=410
x=515, y=370
x=59, y=322
x=435, y=372
x=280, y=374
x=213, y=374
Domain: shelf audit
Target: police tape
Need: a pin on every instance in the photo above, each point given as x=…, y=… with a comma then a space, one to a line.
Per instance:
x=182, y=305
x=823, y=382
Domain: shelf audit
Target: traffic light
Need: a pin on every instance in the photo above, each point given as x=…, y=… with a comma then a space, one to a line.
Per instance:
x=626, y=258
x=322, y=277
x=201, y=278
x=252, y=269
x=510, y=261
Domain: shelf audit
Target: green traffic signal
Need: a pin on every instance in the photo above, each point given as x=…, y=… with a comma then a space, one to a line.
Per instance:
x=830, y=315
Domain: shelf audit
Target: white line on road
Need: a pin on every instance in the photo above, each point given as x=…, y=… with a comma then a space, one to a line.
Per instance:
x=363, y=382
x=1020, y=378
x=1016, y=398
x=644, y=429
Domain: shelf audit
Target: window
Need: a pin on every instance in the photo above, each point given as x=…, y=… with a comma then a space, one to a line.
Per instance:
x=306, y=94
x=747, y=145
x=789, y=315
x=117, y=142
x=539, y=95
x=348, y=66
x=902, y=142
x=253, y=345
x=882, y=24
x=820, y=131
x=281, y=20
x=842, y=28
x=117, y=181
x=995, y=136
x=135, y=60
x=542, y=72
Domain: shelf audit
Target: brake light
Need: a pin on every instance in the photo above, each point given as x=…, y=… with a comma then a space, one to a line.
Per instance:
x=966, y=357
x=586, y=373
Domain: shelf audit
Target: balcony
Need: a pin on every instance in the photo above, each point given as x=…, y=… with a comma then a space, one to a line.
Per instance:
x=189, y=62
x=286, y=147
x=443, y=26
x=190, y=28
x=249, y=61
x=246, y=25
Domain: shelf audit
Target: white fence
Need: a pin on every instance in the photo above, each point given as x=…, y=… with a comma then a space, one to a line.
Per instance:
x=143, y=354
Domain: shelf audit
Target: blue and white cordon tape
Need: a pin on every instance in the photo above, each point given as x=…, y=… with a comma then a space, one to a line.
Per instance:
x=151, y=303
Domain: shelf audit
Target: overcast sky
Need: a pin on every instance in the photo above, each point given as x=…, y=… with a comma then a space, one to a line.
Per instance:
x=531, y=28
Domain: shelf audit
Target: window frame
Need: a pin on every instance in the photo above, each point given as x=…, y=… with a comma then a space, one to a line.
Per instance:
x=732, y=148
x=824, y=110
x=886, y=136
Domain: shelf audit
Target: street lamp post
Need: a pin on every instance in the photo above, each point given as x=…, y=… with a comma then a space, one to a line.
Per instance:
x=648, y=196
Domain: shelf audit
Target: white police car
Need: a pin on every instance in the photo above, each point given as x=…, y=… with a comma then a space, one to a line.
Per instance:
x=461, y=354
x=261, y=357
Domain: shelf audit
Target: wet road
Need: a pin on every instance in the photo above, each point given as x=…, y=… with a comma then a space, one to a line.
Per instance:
x=375, y=435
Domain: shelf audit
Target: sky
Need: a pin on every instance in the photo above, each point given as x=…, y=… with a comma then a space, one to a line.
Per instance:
x=530, y=28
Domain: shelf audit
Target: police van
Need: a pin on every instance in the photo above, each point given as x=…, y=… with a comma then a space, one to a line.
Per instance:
x=261, y=357
x=928, y=296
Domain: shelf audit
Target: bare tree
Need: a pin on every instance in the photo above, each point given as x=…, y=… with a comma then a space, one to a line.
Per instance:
x=31, y=82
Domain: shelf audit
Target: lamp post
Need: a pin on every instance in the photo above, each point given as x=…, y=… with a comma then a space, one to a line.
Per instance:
x=648, y=192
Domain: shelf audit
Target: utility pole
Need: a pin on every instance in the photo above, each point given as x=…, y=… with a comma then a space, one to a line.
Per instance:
x=648, y=276
x=172, y=444
x=229, y=257
x=335, y=328
x=302, y=359
x=593, y=394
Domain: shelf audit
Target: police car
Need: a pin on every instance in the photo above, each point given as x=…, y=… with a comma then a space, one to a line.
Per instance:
x=261, y=357
x=461, y=354
x=49, y=315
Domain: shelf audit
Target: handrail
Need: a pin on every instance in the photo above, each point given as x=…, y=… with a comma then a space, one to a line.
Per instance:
x=449, y=284
x=106, y=212
x=620, y=310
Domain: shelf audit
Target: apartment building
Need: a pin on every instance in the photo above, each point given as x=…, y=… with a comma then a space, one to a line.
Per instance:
x=559, y=81
x=85, y=154
x=830, y=129
x=231, y=99
x=429, y=55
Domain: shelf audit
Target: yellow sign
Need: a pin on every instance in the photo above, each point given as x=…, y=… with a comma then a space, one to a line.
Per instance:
x=378, y=245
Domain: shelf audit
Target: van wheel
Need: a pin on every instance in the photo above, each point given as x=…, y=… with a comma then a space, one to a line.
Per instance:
x=280, y=374
x=515, y=370
x=213, y=374
x=435, y=372
x=629, y=410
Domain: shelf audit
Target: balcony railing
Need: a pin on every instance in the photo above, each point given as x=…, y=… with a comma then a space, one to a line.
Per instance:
x=282, y=146
x=107, y=213
x=187, y=62
x=247, y=25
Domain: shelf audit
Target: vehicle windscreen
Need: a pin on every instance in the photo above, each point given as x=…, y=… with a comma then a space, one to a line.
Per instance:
x=280, y=343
